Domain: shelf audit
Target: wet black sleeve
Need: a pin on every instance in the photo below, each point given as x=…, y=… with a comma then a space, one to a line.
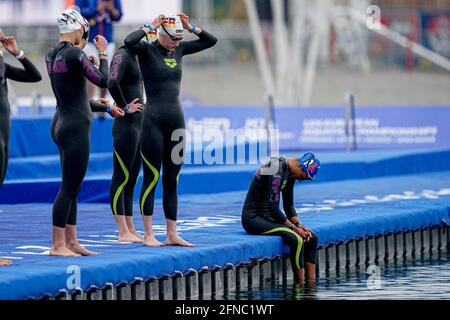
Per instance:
x=274, y=185
x=28, y=74
x=205, y=40
x=98, y=76
x=118, y=67
x=97, y=107
x=2, y=67
x=288, y=200
x=133, y=41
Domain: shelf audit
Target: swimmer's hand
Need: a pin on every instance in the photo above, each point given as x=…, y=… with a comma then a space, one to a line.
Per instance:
x=158, y=21
x=304, y=233
x=185, y=21
x=101, y=44
x=94, y=61
x=113, y=111
x=133, y=106
x=116, y=112
x=154, y=25
x=10, y=44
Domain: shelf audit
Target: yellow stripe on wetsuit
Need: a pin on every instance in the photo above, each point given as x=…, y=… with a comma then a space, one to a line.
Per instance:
x=299, y=242
x=152, y=184
x=120, y=188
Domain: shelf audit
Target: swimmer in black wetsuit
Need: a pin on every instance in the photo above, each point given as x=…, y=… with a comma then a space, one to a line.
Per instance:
x=261, y=213
x=163, y=116
x=28, y=74
x=68, y=68
x=125, y=86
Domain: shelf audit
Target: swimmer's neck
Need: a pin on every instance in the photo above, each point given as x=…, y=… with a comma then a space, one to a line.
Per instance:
x=68, y=37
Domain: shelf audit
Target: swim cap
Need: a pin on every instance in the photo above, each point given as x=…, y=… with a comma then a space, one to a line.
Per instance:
x=71, y=20
x=171, y=25
x=310, y=164
x=152, y=36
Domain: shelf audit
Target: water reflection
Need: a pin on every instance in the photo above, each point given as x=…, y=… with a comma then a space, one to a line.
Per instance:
x=427, y=276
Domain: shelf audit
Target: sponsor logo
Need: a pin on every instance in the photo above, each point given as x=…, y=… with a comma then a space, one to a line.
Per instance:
x=171, y=63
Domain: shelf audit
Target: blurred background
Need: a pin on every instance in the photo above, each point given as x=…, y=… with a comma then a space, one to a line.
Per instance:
x=347, y=56
x=328, y=74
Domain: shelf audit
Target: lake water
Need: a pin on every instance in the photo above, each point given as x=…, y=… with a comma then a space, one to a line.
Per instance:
x=426, y=277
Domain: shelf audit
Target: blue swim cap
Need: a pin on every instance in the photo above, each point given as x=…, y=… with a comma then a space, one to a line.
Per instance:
x=310, y=164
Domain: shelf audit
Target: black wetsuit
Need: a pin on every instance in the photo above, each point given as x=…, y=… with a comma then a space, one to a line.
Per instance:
x=261, y=213
x=125, y=84
x=68, y=67
x=161, y=71
x=28, y=74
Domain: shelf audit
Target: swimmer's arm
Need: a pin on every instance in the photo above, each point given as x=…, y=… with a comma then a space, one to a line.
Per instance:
x=2, y=66
x=288, y=204
x=118, y=67
x=133, y=40
x=99, y=77
x=97, y=107
x=274, y=199
x=103, y=105
x=28, y=74
x=205, y=40
x=288, y=200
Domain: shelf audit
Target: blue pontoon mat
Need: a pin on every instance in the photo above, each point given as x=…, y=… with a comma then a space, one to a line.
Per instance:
x=337, y=211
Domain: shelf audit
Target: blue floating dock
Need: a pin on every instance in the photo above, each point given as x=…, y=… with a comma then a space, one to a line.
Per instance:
x=412, y=193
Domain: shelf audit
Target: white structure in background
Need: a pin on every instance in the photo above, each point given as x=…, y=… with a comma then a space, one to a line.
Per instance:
x=289, y=78
x=45, y=12
x=30, y=12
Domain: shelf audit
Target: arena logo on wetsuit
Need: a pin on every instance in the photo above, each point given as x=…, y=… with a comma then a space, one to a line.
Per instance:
x=170, y=62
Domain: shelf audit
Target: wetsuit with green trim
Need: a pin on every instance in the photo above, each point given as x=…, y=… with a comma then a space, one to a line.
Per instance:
x=261, y=213
x=161, y=70
x=68, y=68
x=28, y=74
x=125, y=84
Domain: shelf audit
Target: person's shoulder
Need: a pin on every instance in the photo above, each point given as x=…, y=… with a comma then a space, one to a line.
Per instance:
x=122, y=51
x=49, y=54
x=139, y=47
x=128, y=52
x=122, y=55
x=74, y=52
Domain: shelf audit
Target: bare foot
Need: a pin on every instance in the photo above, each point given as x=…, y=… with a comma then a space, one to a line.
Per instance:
x=151, y=241
x=177, y=241
x=130, y=237
x=135, y=233
x=5, y=263
x=62, y=252
x=79, y=249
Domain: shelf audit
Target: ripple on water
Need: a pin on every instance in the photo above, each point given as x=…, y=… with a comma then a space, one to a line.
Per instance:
x=424, y=278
